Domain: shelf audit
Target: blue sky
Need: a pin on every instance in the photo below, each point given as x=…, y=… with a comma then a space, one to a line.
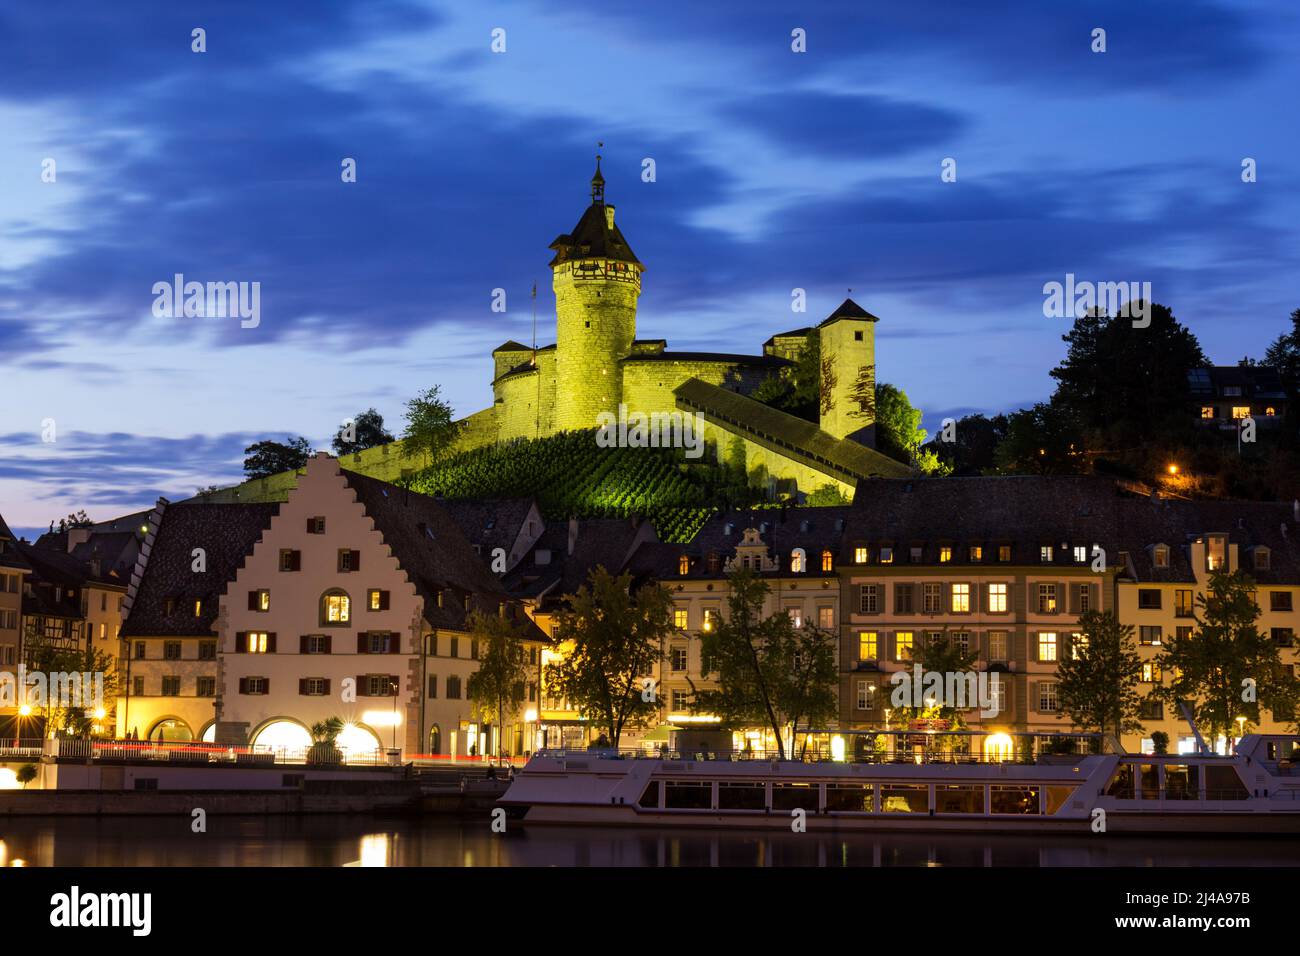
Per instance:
x=775, y=170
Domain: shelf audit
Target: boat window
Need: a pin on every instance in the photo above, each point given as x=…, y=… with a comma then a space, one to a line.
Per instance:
x=742, y=796
x=651, y=796
x=688, y=795
x=1150, y=782
x=957, y=799
x=1056, y=797
x=904, y=798
x=849, y=798
x=1121, y=785
x=1013, y=800
x=1222, y=783
x=794, y=796
x=1182, y=781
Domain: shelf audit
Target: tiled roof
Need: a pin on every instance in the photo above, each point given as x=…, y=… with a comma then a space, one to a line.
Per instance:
x=67, y=570
x=226, y=533
x=10, y=556
x=431, y=548
x=594, y=238
x=489, y=524
x=599, y=542
x=788, y=435
x=848, y=309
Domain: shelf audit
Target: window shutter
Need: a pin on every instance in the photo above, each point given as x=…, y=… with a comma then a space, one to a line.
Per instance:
x=252, y=600
x=243, y=685
x=1033, y=696
x=266, y=685
x=329, y=643
x=302, y=644
x=270, y=643
x=394, y=643
x=356, y=560
x=363, y=643
x=1094, y=597
x=311, y=526
x=327, y=687
x=1018, y=599
x=302, y=687
x=295, y=561
x=1060, y=596
x=383, y=600
x=363, y=686
x=241, y=641
x=1073, y=596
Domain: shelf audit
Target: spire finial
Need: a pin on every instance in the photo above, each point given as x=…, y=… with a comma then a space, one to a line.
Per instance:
x=598, y=181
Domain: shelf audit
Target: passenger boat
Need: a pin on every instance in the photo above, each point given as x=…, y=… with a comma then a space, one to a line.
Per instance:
x=1251, y=791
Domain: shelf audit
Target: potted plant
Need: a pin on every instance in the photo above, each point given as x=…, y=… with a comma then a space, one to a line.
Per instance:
x=26, y=774
x=1160, y=743
x=323, y=736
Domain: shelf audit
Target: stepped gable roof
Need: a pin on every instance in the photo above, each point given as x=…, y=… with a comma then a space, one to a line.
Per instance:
x=848, y=309
x=599, y=542
x=1025, y=512
x=1250, y=525
x=786, y=434
x=227, y=534
x=489, y=524
x=766, y=361
x=10, y=556
x=432, y=550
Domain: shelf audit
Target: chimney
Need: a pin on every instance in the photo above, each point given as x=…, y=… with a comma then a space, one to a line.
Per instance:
x=609, y=217
x=573, y=533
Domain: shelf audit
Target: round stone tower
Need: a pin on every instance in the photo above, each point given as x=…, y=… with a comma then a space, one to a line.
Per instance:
x=597, y=280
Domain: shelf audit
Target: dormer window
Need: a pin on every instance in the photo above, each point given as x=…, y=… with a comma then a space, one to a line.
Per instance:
x=915, y=555
x=798, y=561
x=945, y=554
x=1263, y=558
x=860, y=555
x=804, y=526
x=828, y=561
x=1045, y=554
x=1216, y=552
x=713, y=562
x=886, y=555
x=683, y=565
x=1004, y=553
x=976, y=554
x=1160, y=556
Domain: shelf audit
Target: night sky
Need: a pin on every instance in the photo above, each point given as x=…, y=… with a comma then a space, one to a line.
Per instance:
x=775, y=170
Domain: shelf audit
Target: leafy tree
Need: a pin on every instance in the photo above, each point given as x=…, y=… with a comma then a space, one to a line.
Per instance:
x=976, y=438
x=59, y=714
x=367, y=431
x=430, y=426
x=79, y=519
x=497, y=687
x=941, y=656
x=825, y=496
x=1284, y=355
x=26, y=774
x=266, y=458
x=898, y=424
x=1097, y=677
x=1043, y=440
x=1130, y=383
x=768, y=671
x=610, y=639
x=1226, y=668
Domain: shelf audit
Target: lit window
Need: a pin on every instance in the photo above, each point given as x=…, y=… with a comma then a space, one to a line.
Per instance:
x=998, y=598
x=797, y=561
x=1047, y=599
x=903, y=646
x=680, y=618
x=859, y=555
x=336, y=608
x=828, y=561
x=1270, y=411
x=1045, y=554
x=256, y=642
x=1207, y=411
x=867, y=646
x=796, y=615
x=961, y=598
x=945, y=554
x=886, y=555
x=1150, y=672
x=1150, y=635
x=710, y=618
x=1078, y=644
x=976, y=554
x=1240, y=411
x=1004, y=553
x=683, y=565
x=1262, y=559
x=1080, y=554
x=377, y=600
x=825, y=617
x=1216, y=552
x=198, y=608
x=1046, y=645
x=1161, y=556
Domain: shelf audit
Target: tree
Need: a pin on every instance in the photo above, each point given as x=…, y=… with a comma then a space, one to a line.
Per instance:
x=1225, y=669
x=827, y=495
x=1097, y=676
x=365, y=431
x=1043, y=440
x=938, y=655
x=266, y=458
x=72, y=716
x=1128, y=382
x=976, y=438
x=610, y=639
x=78, y=519
x=898, y=424
x=1284, y=355
x=26, y=774
x=768, y=671
x=430, y=428
x=497, y=687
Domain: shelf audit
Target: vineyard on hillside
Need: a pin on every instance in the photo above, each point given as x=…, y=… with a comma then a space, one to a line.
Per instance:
x=570, y=475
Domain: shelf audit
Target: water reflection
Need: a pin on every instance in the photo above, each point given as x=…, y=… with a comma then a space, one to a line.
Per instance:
x=352, y=841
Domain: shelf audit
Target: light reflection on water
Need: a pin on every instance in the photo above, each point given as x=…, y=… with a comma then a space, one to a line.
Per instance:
x=369, y=841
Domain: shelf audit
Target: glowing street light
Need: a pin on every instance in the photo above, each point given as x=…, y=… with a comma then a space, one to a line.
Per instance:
x=1173, y=469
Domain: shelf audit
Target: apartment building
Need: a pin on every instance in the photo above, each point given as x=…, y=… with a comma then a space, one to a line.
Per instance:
x=1169, y=550
x=13, y=572
x=189, y=556
x=355, y=603
x=1003, y=567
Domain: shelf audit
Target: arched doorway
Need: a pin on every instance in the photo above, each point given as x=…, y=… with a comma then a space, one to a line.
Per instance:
x=171, y=728
x=358, y=743
x=282, y=734
x=997, y=747
x=435, y=739
x=209, y=735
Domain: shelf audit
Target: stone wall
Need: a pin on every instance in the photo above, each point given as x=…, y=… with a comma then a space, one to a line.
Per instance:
x=648, y=384
x=595, y=325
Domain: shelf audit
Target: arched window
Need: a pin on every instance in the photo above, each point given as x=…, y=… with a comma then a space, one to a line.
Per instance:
x=798, y=561
x=435, y=739
x=1270, y=411
x=828, y=561
x=335, y=608
x=684, y=565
